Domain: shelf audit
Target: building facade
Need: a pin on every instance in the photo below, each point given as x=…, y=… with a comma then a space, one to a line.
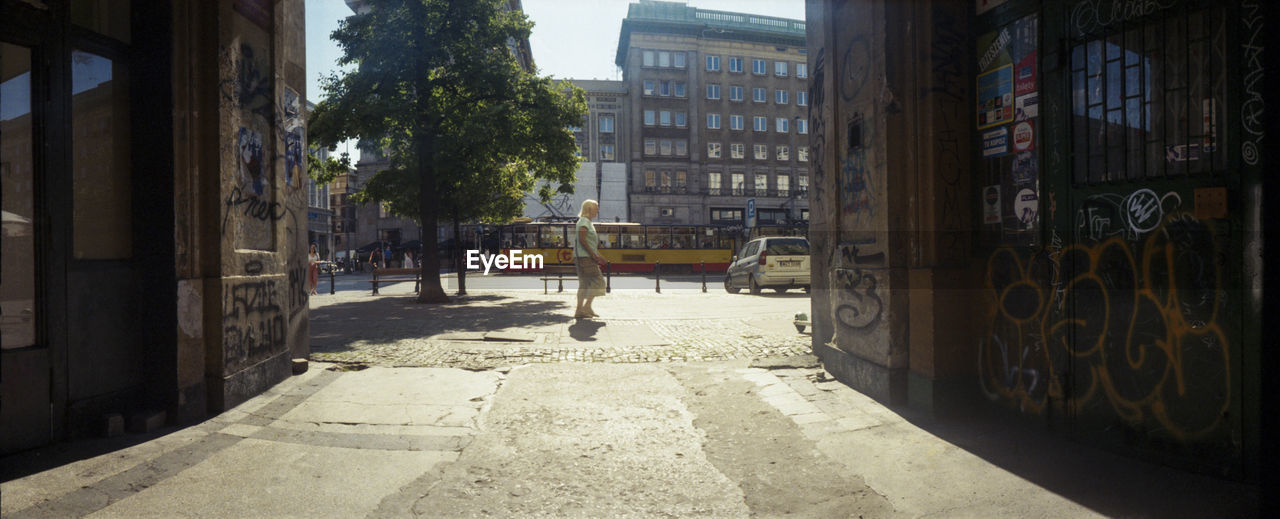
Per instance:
x=152, y=170
x=717, y=115
x=602, y=143
x=1052, y=208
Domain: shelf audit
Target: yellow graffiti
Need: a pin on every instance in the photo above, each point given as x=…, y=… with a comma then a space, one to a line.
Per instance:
x=1141, y=338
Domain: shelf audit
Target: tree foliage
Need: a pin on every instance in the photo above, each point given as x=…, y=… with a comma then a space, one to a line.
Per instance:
x=435, y=84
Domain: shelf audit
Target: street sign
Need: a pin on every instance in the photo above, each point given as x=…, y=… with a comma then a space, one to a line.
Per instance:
x=751, y=212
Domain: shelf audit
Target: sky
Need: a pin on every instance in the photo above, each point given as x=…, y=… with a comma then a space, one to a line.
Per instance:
x=575, y=39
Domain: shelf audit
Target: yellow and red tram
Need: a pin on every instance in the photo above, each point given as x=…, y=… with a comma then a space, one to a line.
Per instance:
x=629, y=247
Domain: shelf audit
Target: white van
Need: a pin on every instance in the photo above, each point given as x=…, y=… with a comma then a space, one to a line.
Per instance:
x=779, y=262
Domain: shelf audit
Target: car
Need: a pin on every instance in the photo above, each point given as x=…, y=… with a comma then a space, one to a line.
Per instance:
x=777, y=262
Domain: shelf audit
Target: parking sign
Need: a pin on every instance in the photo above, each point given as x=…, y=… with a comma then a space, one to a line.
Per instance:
x=751, y=212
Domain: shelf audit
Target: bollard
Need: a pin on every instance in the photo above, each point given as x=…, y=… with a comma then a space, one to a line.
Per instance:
x=657, y=277
x=608, y=277
x=704, y=276
x=559, y=282
x=331, y=289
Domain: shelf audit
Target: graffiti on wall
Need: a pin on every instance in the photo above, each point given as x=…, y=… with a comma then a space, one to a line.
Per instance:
x=1117, y=327
x=855, y=68
x=1251, y=110
x=1129, y=216
x=857, y=189
x=252, y=320
x=1092, y=15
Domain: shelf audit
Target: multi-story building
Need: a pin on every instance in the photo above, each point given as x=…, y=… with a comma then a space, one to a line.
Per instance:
x=319, y=208
x=603, y=144
x=718, y=115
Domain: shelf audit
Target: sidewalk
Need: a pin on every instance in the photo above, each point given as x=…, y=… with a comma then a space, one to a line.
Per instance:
x=588, y=437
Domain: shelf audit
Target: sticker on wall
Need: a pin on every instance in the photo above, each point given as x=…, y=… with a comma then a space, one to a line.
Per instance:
x=1182, y=153
x=293, y=137
x=991, y=204
x=995, y=97
x=995, y=143
x=250, y=161
x=1026, y=106
x=1025, y=75
x=1209, y=124
x=1025, y=205
x=1024, y=136
x=1024, y=168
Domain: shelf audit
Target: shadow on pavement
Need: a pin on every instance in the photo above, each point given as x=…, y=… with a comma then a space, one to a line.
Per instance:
x=1114, y=485
x=391, y=318
x=584, y=330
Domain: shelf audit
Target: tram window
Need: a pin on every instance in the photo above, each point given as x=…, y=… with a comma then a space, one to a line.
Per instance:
x=552, y=236
x=682, y=238
x=520, y=236
x=631, y=238
x=608, y=236
x=658, y=237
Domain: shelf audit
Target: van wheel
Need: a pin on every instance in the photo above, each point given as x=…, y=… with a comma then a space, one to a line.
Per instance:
x=727, y=287
x=755, y=289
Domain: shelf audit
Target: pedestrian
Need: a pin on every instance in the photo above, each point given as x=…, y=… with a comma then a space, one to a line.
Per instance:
x=386, y=255
x=408, y=259
x=375, y=258
x=588, y=260
x=313, y=269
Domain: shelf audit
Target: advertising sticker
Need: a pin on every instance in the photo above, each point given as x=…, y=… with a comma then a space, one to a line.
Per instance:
x=1026, y=106
x=995, y=97
x=1025, y=205
x=995, y=143
x=991, y=204
x=1024, y=136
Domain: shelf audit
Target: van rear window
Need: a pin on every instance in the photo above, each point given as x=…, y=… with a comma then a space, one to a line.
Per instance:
x=789, y=246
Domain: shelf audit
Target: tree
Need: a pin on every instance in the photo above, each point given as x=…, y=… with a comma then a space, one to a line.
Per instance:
x=465, y=128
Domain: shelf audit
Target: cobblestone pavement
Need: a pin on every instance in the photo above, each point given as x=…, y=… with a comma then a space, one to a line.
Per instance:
x=490, y=329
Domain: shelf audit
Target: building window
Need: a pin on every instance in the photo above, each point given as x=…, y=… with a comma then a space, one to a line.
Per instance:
x=802, y=154
x=713, y=63
x=665, y=147
x=679, y=59
x=780, y=68
x=735, y=93
x=713, y=91
x=648, y=58
x=713, y=150
x=780, y=97
x=802, y=126
x=680, y=92
x=760, y=151
x=664, y=59
x=762, y=184
x=713, y=121
x=784, y=153
x=606, y=152
x=736, y=150
x=681, y=119
x=651, y=146
x=735, y=65
x=665, y=186
x=735, y=122
x=802, y=185
x=758, y=95
x=713, y=183
x=758, y=67
x=664, y=88
x=738, y=185
x=606, y=124
x=650, y=181
x=648, y=117
x=681, y=179
x=664, y=118
x=802, y=98
x=726, y=215
x=804, y=214
x=802, y=70
x=782, y=125
x=682, y=148
x=784, y=185
x=648, y=87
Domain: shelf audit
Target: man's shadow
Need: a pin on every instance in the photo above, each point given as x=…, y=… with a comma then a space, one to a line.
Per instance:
x=584, y=329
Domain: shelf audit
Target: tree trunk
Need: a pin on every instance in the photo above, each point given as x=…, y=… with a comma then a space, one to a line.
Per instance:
x=457, y=255
x=429, y=205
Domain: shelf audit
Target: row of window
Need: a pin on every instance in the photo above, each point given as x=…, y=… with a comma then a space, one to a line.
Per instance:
x=760, y=67
x=759, y=123
x=675, y=181
x=726, y=215
x=668, y=147
x=738, y=150
x=662, y=88
x=606, y=153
